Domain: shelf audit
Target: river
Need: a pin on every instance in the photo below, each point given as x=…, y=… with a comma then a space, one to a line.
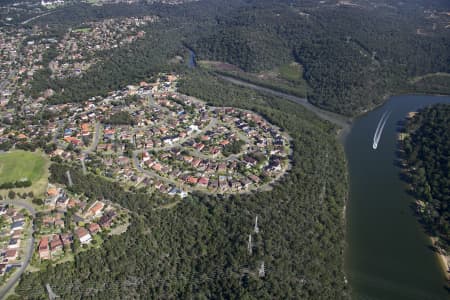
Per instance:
x=388, y=254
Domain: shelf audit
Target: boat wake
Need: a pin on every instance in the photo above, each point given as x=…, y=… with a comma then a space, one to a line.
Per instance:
x=380, y=128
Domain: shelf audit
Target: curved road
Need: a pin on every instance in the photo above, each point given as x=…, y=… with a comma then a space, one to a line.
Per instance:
x=28, y=251
x=334, y=118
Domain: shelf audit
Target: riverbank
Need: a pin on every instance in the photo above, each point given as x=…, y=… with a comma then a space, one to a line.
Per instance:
x=443, y=259
x=364, y=215
x=419, y=204
x=388, y=254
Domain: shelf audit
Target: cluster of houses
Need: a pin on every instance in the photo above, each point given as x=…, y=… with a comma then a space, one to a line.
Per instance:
x=52, y=3
x=78, y=46
x=12, y=228
x=24, y=52
x=149, y=135
x=68, y=219
x=197, y=160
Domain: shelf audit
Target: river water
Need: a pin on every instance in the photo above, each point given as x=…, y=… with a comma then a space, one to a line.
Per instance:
x=387, y=255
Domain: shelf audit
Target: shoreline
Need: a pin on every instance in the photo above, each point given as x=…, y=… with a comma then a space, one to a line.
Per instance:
x=443, y=259
x=341, y=135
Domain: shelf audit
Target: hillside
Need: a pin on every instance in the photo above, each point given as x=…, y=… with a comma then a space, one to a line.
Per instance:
x=427, y=152
x=199, y=247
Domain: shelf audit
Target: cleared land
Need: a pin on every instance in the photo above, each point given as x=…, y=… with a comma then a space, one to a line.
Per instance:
x=292, y=72
x=287, y=78
x=19, y=164
x=84, y=29
x=430, y=75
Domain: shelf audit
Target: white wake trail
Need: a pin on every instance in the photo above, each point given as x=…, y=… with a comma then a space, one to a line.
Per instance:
x=379, y=125
x=380, y=128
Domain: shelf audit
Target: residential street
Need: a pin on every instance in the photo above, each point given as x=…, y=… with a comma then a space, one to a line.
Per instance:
x=28, y=251
x=95, y=139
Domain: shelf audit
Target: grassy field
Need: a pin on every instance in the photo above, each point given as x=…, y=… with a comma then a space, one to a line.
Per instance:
x=292, y=72
x=430, y=75
x=19, y=164
x=84, y=29
x=287, y=78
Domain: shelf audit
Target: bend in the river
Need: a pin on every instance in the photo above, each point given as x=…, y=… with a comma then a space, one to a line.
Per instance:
x=388, y=255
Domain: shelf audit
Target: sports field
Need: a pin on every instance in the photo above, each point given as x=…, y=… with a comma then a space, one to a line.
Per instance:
x=19, y=164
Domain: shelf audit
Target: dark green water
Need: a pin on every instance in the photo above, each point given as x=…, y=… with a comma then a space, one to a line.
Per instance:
x=387, y=255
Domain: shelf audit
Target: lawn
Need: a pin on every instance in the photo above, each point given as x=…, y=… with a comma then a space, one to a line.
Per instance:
x=84, y=29
x=21, y=164
x=287, y=78
x=292, y=72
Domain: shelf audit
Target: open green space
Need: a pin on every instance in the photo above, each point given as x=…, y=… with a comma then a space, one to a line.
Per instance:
x=83, y=29
x=17, y=165
x=429, y=75
x=292, y=72
x=434, y=83
x=287, y=78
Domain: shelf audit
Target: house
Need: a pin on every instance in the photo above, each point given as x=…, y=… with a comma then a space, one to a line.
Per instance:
x=157, y=167
x=83, y=235
x=85, y=129
x=18, y=217
x=43, y=249
x=191, y=180
x=52, y=192
x=22, y=136
x=224, y=142
x=96, y=208
x=94, y=228
x=203, y=181
x=56, y=244
x=196, y=162
x=17, y=234
x=222, y=167
x=17, y=226
x=59, y=223
x=66, y=239
x=52, y=2
x=246, y=183
x=48, y=220
x=236, y=185
x=11, y=255
x=199, y=146
x=73, y=140
x=250, y=160
x=175, y=191
x=123, y=160
x=3, y=209
x=14, y=243
x=254, y=178
x=188, y=159
x=105, y=222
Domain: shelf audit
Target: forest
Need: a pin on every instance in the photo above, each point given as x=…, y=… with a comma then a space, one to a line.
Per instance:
x=199, y=248
x=427, y=152
x=352, y=56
